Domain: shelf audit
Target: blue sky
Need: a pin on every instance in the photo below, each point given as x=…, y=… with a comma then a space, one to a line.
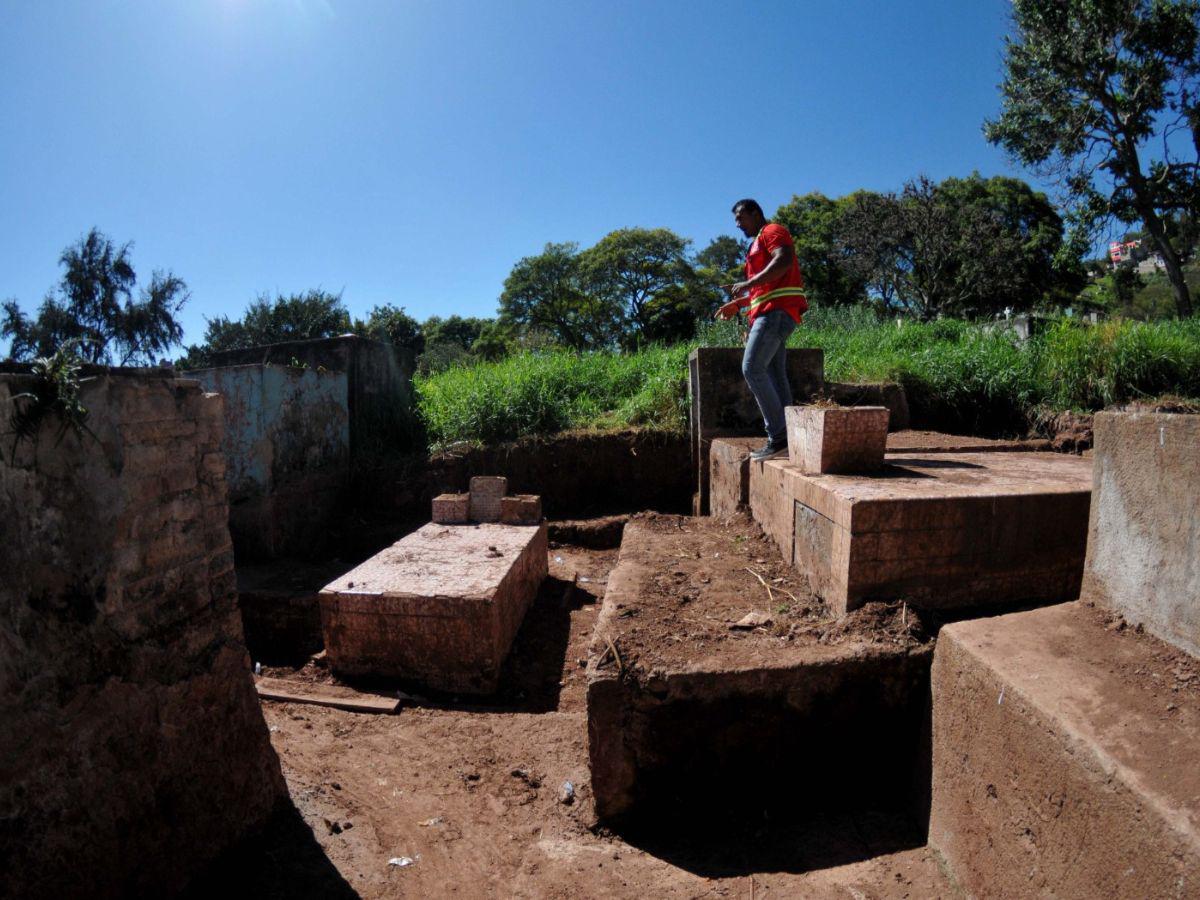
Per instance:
x=409, y=151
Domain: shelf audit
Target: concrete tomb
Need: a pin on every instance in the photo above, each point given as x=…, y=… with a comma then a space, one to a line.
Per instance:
x=729, y=459
x=938, y=530
x=1066, y=758
x=442, y=605
x=721, y=404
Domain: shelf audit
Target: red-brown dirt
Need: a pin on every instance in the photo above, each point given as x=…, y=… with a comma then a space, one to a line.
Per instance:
x=471, y=791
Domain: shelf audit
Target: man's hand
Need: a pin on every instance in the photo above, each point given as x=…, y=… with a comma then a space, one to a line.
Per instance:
x=728, y=310
x=735, y=290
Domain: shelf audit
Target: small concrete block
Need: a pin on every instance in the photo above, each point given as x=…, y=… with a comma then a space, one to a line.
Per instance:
x=486, y=491
x=521, y=509
x=837, y=439
x=452, y=509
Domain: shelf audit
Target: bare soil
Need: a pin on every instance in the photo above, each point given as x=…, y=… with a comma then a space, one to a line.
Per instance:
x=718, y=573
x=473, y=792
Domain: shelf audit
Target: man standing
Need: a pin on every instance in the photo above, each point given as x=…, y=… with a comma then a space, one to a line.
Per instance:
x=773, y=294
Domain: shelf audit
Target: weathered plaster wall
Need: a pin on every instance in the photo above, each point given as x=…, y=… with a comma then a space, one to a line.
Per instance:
x=1143, y=553
x=379, y=383
x=287, y=443
x=133, y=749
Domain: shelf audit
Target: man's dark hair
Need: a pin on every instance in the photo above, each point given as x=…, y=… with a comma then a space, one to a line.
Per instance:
x=749, y=204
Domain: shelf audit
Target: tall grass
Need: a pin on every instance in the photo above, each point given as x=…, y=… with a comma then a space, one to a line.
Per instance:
x=541, y=393
x=959, y=376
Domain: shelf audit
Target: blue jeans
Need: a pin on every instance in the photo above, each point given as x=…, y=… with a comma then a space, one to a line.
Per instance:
x=765, y=366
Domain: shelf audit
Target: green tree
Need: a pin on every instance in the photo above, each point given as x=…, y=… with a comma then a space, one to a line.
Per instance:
x=1027, y=262
x=543, y=293
x=724, y=255
x=967, y=247
x=496, y=340
x=461, y=330
x=291, y=317
x=392, y=325
x=812, y=221
x=93, y=306
x=1093, y=90
x=641, y=271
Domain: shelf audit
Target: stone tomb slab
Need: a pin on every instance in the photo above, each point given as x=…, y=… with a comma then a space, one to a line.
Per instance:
x=729, y=459
x=1066, y=758
x=943, y=531
x=681, y=705
x=440, y=606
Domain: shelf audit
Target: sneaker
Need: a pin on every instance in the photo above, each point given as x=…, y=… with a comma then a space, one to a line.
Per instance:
x=769, y=449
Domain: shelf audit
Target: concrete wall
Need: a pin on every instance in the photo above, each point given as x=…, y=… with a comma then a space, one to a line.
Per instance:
x=302, y=416
x=721, y=404
x=1143, y=555
x=287, y=444
x=379, y=383
x=133, y=750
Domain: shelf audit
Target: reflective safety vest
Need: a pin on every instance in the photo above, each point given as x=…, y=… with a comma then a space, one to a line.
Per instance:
x=786, y=292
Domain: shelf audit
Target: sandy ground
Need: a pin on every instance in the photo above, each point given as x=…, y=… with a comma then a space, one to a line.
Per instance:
x=472, y=794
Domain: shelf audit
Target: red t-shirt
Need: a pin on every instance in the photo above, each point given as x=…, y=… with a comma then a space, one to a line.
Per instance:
x=786, y=292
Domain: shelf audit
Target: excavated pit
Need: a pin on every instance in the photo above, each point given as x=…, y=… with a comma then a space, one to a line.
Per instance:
x=702, y=732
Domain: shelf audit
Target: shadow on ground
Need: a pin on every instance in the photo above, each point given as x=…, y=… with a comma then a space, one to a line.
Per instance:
x=730, y=843
x=530, y=680
x=282, y=861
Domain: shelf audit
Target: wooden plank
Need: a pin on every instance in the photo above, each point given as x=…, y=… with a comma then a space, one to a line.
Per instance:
x=323, y=695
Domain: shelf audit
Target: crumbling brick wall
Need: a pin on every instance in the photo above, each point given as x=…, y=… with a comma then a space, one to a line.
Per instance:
x=133, y=750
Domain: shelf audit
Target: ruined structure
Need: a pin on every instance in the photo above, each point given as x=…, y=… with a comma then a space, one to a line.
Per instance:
x=299, y=416
x=133, y=750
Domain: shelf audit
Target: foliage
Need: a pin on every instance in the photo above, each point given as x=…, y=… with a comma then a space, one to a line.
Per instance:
x=93, y=308
x=294, y=317
x=545, y=293
x=643, y=272
x=1091, y=89
x=724, y=256
x=970, y=246
x=55, y=393
x=461, y=330
x=496, y=340
x=449, y=342
x=814, y=222
x=394, y=326
x=957, y=375
x=443, y=355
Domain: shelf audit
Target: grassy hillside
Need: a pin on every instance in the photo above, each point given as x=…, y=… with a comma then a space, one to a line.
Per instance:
x=958, y=375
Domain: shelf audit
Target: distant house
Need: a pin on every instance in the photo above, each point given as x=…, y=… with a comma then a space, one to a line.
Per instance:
x=1122, y=251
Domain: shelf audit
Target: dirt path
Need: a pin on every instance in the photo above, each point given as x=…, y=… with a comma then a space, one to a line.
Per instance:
x=472, y=794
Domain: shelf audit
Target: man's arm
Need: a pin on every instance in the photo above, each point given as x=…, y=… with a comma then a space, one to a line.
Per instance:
x=781, y=259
